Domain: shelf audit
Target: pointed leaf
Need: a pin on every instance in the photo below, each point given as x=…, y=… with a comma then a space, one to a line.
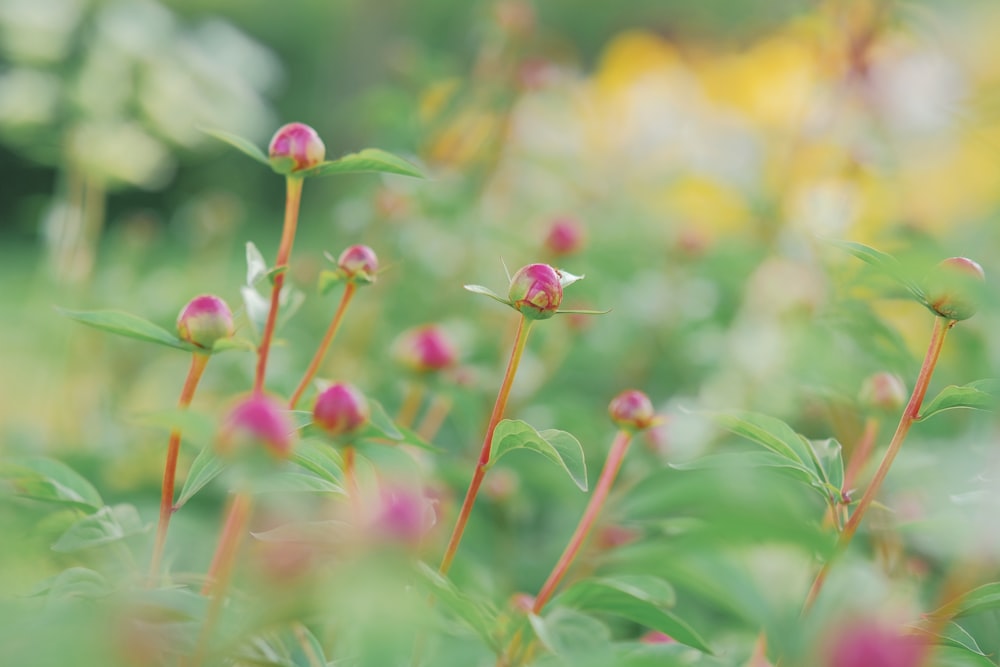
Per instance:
x=486, y=291
x=572, y=635
x=233, y=343
x=328, y=280
x=382, y=422
x=319, y=458
x=128, y=325
x=239, y=143
x=478, y=615
x=581, y=311
x=205, y=467
x=978, y=395
x=884, y=263
x=296, y=482
x=771, y=433
x=566, y=278
x=49, y=480
x=74, y=582
x=558, y=446
x=107, y=525
x=748, y=460
x=983, y=598
x=830, y=459
x=368, y=159
x=256, y=265
x=639, y=599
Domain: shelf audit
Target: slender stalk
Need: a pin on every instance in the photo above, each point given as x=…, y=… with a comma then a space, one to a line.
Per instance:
x=910, y=414
x=411, y=403
x=324, y=345
x=520, y=339
x=198, y=363
x=351, y=481
x=604, y=483
x=293, y=197
x=221, y=570
x=436, y=414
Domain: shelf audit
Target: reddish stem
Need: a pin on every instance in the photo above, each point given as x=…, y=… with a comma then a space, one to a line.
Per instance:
x=607, y=479
x=859, y=457
x=351, y=482
x=198, y=363
x=293, y=197
x=324, y=346
x=411, y=403
x=910, y=414
x=221, y=570
x=520, y=339
x=436, y=414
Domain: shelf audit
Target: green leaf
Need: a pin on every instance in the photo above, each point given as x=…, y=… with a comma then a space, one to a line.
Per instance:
x=639, y=599
x=382, y=422
x=830, y=459
x=74, y=582
x=955, y=636
x=330, y=531
x=486, y=291
x=978, y=600
x=558, y=446
x=205, y=467
x=572, y=635
x=319, y=458
x=107, y=525
x=256, y=265
x=883, y=263
x=770, y=433
x=368, y=159
x=168, y=605
x=978, y=395
x=328, y=280
x=477, y=615
x=233, y=343
x=128, y=325
x=296, y=482
x=49, y=480
x=239, y=143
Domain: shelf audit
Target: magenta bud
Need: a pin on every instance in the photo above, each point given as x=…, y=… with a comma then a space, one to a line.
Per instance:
x=404, y=516
x=951, y=289
x=204, y=320
x=341, y=409
x=883, y=391
x=425, y=349
x=256, y=421
x=536, y=291
x=358, y=263
x=565, y=237
x=299, y=143
x=868, y=643
x=632, y=410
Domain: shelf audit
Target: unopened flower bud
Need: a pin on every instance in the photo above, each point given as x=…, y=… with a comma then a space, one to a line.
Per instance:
x=404, y=516
x=951, y=289
x=341, y=409
x=204, y=320
x=883, y=391
x=866, y=643
x=358, y=262
x=536, y=291
x=299, y=143
x=632, y=410
x=425, y=349
x=256, y=422
x=565, y=236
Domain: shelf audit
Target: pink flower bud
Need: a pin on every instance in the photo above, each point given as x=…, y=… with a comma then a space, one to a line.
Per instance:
x=657, y=637
x=299, y=143
x=951, y=289
x=565, y=236
x=883, y=391
x=204, y=320
x=632, y=410
x=425, y=349
x=404, y=516
x=256, y=421
x=868, y=643
x=522, y=603
x=358, y=262
x=536, y=291
x=340, y=409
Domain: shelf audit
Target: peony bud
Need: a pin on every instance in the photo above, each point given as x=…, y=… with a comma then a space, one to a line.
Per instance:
x=565, y=236
x=632, y=410
x=536, y=291
x=358, y=262
x=299, y=143
x=867, y=643
x=404, y=516
x=883, y=391
x=951, y=289
x=256, y=421
x=340, y=409
x=424, y=349
x=204, y=320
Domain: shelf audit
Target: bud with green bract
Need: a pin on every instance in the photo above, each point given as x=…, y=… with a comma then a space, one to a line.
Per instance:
x=883, y=391
x=425, y=349
x=536, y=291
x=295, y=147
x=632, y=410
x=358, y=263
x=256, y=423
x=952, y=289
x=341, y=409
x=204, y=320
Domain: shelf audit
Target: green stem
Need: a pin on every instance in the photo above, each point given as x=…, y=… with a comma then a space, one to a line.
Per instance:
x=324, y=345
x=198, y=363
x=910, y=414
x=293, y=197
x=520, y=339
